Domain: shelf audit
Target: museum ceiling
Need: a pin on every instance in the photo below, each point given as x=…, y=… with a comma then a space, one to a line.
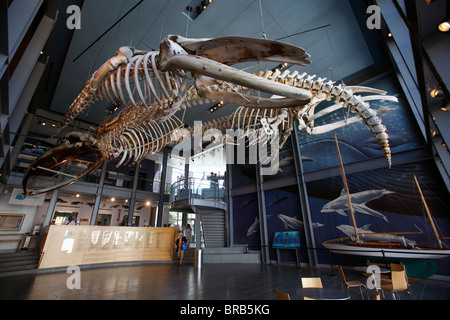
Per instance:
x=333, y=32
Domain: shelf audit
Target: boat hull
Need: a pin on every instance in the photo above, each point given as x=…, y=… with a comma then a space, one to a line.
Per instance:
x=402, y=253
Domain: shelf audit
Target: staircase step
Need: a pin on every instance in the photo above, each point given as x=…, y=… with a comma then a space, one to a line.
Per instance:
x=10, y=258
x=188, y=256
x=251, y=257
x=214, y=231
x=18, y=267
x=18, y=263
x=15, y=263
x=4, y=254
x=222, y=250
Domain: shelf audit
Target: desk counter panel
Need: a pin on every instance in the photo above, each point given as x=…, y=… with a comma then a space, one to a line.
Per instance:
x=79, y=245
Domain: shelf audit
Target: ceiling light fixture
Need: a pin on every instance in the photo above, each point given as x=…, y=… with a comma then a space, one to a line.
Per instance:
x=435, y=93
x=199, y=6
x=217, y=106
x=280, y=67
x=444, y=108
x=444, y=26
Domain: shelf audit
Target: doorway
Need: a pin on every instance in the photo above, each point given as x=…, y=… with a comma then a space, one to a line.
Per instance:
x=103, y=220
x=135, y=222
x=61, y=216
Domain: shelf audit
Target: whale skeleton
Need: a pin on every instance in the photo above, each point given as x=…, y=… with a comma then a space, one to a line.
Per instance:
x=151, y=86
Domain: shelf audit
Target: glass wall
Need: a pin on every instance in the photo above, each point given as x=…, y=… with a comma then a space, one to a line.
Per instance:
x=209, y=163
x=175, y=171
x=113, y=211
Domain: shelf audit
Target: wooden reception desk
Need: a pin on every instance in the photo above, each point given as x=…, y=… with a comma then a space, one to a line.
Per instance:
x=81, y=245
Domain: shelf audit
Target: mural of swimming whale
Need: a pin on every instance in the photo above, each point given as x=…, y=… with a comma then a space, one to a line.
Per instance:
x=359, y=203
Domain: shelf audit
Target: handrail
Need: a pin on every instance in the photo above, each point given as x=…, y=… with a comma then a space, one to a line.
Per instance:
x=189, y=188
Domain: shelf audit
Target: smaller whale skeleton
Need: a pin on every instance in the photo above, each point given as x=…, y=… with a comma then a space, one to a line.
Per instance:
x=151, y=86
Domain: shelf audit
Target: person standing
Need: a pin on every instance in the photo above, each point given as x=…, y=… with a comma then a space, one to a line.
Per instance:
x=182, y=244
x=70, y=221
x=188, y=234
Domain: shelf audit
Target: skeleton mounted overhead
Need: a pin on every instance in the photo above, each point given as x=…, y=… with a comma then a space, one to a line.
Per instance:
x=151, y=87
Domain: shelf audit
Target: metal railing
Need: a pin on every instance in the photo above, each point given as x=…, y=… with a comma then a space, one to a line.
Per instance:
x=194, y=188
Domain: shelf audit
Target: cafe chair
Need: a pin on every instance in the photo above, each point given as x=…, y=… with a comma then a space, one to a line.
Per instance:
x=399, y=268
x=398, y=283
x=311, y=283
x=377, y=295
x=282, y=295
x=383, y=277
x=350, y=284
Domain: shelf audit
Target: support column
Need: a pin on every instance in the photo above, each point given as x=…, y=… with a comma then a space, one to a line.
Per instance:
x=162, y=188
x=21, y=138
x=198, y=231
x=98, y=195
x=133, y=195
x=51, y=208
x=53, y=201
x=304, y=204
x=265, y=255
x=229, y=202
x=49, y=214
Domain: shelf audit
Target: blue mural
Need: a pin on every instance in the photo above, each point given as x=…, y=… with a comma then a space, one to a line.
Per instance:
x=284, y=214
x=246, y=221
x=356, y=143
x=383, y=201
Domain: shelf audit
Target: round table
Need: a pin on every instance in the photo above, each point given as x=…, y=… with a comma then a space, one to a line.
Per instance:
x=378, y=269
x=323, y=293
x=374, y=270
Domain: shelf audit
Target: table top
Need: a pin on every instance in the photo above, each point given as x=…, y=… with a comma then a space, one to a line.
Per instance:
x=323, y=293
x=380, y=269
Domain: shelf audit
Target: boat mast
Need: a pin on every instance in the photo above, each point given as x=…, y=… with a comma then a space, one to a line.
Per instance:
x=346, y=189
x=429, y=214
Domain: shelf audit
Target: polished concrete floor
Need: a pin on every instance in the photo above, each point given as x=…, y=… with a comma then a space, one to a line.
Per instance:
x=210, y=282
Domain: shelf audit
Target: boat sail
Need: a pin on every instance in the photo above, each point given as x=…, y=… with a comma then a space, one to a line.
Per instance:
x=354, y=245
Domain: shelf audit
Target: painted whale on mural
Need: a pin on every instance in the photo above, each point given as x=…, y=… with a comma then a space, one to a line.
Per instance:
x=359, y=201
x=366, y=233
x=245, y=205
x=254, y=227
x=317, y=225
x=277, y=201
x=291, y=222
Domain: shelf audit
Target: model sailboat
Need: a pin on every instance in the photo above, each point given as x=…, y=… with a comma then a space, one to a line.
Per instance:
x=384, y=249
